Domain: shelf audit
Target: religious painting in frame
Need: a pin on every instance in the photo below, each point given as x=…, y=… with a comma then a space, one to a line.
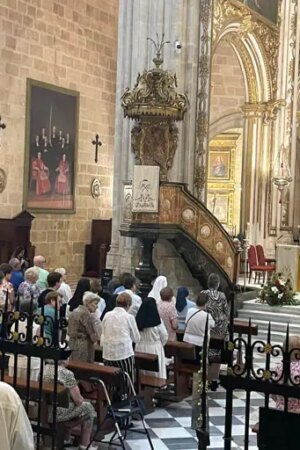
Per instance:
x=219, y=165
x=218, y=204
x=51, y=148
x=145, y=189
x=269, y=9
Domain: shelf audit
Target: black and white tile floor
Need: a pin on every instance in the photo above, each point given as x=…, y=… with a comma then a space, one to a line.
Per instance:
x=169, y=426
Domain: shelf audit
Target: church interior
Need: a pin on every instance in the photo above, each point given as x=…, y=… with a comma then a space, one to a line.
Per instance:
x=150, y=224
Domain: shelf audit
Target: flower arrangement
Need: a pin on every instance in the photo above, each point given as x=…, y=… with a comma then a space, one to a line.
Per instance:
x=277, y=291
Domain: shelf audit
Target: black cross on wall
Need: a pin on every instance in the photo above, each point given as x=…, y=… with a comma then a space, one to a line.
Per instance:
x=2, y=125
x=97, y=144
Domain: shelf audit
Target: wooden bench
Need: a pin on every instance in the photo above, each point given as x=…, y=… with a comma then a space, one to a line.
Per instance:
x=242, y=327
x=146, y=384
x=182, y=370
x=47, y=392
x=85, y=371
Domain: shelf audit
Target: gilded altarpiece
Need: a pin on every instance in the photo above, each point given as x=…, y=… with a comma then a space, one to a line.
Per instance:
x=222, y=180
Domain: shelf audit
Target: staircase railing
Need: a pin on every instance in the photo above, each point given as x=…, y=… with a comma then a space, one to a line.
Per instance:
x=178, y=207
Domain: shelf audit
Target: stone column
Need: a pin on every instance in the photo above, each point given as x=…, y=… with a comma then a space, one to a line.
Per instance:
x=139, y=19
x=281, y=215
x=259, y=120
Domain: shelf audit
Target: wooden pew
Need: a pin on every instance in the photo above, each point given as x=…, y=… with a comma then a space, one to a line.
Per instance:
x=146, y=384
x=182, y=370
x=242, y=327
x=85, y=371
x=46, y=429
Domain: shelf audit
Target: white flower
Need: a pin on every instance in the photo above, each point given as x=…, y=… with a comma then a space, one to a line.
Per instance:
x=280, y=295
x=274, y=289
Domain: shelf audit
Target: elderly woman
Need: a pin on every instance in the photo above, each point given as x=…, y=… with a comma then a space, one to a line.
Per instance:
x=217, y=307
x=17, y=274
x=29, y=289
x=77, y=407
x=84, y=328
x=119, y=331
x=182, y=305
x=64, y=289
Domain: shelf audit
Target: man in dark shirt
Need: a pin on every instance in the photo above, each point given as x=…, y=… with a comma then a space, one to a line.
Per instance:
x=54, y=282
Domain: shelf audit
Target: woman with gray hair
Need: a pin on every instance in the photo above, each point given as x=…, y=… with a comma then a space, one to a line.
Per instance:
x=84, y=328
x=64, y=289
x=217, y=307
x=29, y=289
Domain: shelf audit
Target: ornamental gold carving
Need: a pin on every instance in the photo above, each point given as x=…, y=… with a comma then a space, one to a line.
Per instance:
x=227, y=12
x=154, y=144
x=206, y=13
x=271, y=110
x=155, y=104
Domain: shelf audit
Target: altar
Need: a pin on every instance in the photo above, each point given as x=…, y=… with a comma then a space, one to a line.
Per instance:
x=287, y=263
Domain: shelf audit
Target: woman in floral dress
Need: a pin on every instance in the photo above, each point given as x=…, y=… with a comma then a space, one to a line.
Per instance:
x=78, y=407
x=84, y=329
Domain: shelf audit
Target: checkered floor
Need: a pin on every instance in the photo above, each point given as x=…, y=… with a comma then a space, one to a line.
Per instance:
x=169, y=427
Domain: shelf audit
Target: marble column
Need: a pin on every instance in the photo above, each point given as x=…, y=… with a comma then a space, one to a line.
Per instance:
x=139, y=19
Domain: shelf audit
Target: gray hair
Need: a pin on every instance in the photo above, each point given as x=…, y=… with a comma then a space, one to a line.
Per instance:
x=213, y=281
x=14, y=262
x=89, y=297
x=61, y=270
x=32, y=271
x=38, y=260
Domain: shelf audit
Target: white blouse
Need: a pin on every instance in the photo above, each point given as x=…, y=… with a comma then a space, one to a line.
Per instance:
x=15, y=429
x=195, y=326
x=119, y=331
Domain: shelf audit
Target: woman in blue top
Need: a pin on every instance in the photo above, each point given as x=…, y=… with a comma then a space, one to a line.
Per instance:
x=183, y=304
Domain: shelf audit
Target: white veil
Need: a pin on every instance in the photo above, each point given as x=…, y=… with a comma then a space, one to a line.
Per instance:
x=158, y=285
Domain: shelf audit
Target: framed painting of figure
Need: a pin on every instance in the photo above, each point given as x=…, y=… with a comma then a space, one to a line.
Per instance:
x=218, y=204
x=266, y=8
x=51, y=147
x=219, y=165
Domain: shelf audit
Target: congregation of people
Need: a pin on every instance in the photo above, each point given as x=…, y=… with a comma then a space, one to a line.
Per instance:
x=116, y=319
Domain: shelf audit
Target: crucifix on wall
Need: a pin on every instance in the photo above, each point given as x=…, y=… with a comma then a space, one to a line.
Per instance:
x=97, y=143
x=2, y=126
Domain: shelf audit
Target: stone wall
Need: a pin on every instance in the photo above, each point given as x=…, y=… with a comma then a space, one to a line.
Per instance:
x=72, y=44
x=228, y=87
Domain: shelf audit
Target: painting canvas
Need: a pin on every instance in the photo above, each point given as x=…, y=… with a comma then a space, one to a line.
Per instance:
x=218, y=204
x=219, y=165
x=145, y=189
x=51, y=147
x=266, y=8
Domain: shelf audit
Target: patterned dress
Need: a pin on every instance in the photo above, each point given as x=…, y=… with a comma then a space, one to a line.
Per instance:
x=293, y=403
x=217, y=306
x=168, y=313
x=67, y=378
x=82, y=326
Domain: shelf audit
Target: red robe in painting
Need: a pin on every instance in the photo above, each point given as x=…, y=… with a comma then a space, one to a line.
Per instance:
x=40, y=173
x=62, y=179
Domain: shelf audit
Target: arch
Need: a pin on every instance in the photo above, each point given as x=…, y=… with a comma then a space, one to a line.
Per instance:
x=228, y=122
x=253, y=60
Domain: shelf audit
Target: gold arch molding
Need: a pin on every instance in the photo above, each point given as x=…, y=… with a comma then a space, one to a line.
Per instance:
x=256, y=44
